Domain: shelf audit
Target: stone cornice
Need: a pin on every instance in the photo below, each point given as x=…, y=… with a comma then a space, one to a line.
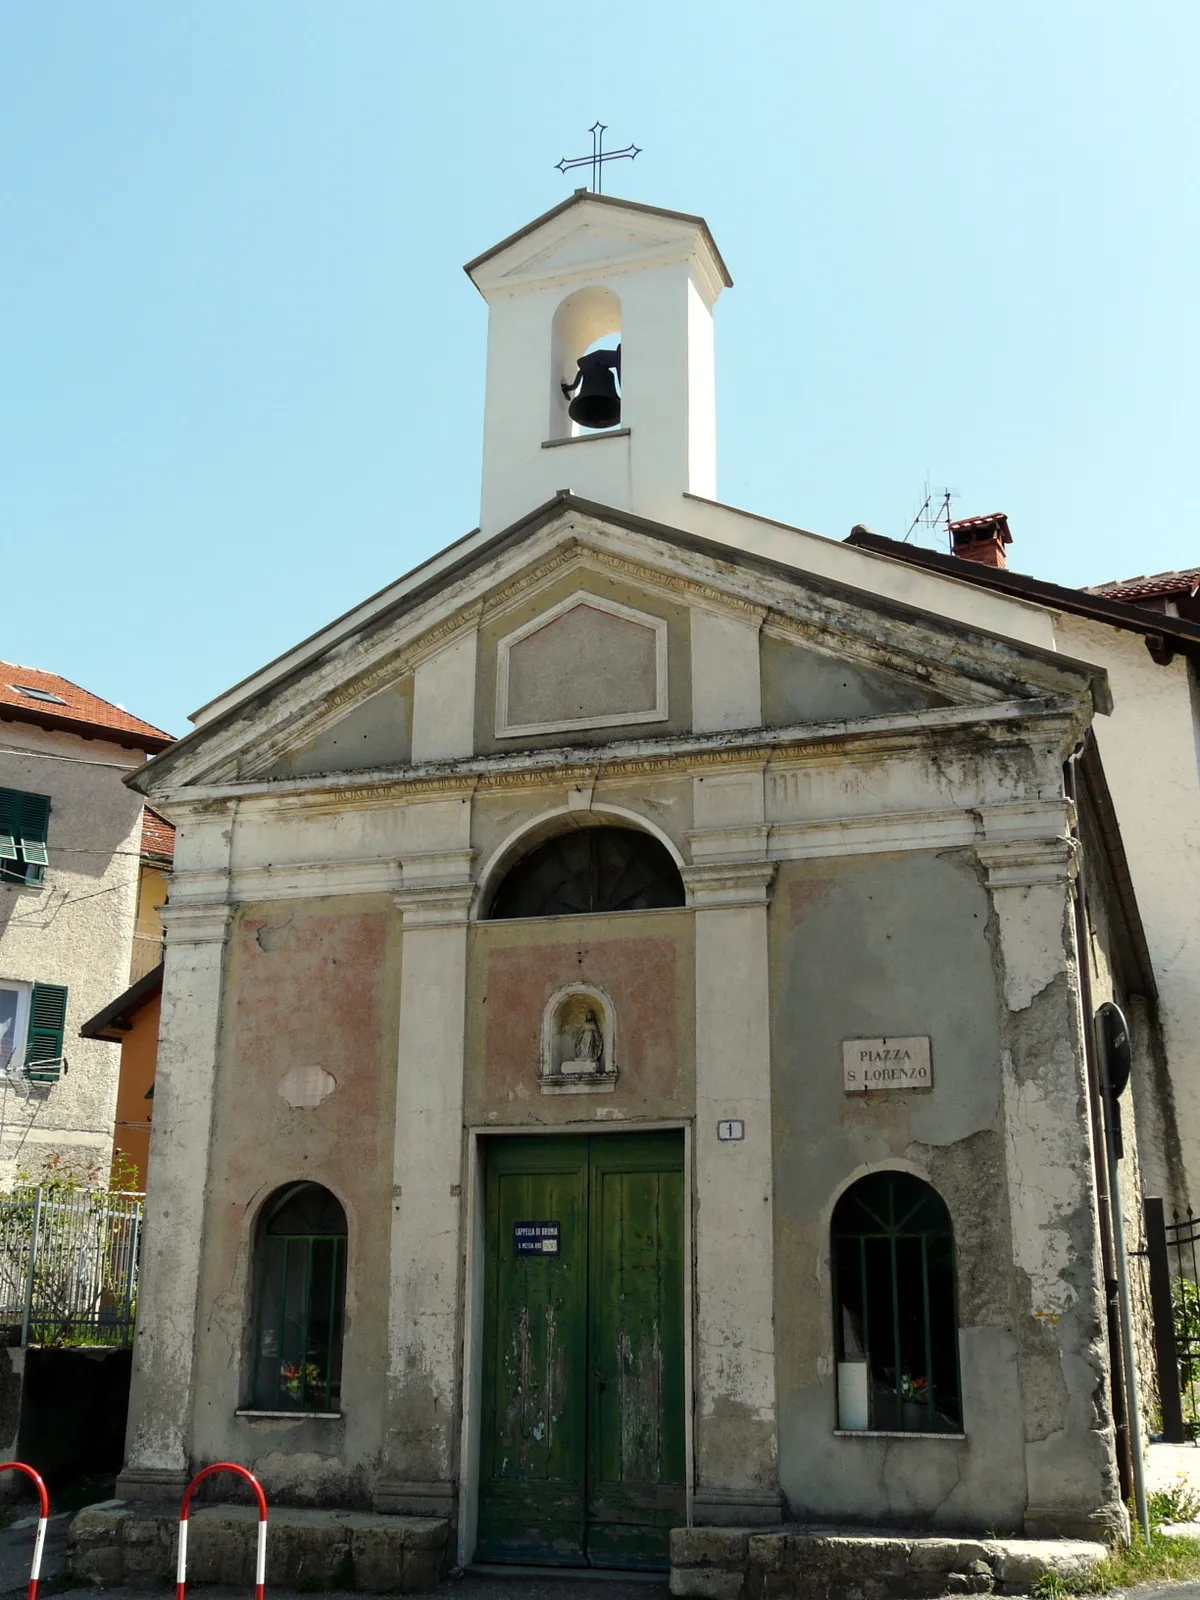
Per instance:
x=872, y=738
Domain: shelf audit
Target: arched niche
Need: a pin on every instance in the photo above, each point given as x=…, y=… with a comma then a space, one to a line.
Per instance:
x=579, y=1041
x=585, y=320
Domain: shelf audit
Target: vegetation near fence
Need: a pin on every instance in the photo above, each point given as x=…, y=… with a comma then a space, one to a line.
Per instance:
x=69, y=1261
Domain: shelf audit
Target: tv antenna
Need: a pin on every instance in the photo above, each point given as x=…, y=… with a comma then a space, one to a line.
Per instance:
x=934, y=512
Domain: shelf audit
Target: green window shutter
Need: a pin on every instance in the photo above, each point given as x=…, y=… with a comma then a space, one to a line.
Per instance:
x=47, y=1023
x=9, y=824
x=34, y=823
x=24, y=827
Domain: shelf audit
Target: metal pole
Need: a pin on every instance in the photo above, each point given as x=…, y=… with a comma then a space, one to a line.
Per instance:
x=33, y=1249
x=1136, y=1450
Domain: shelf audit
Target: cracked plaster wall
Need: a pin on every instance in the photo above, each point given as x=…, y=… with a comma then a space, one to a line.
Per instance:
x=909, y=944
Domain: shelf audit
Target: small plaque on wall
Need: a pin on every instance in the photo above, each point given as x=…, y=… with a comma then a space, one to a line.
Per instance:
x=536, y=1238
x=879, y=1066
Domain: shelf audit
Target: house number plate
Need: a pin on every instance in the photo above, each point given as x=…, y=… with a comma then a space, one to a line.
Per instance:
x=535, y=1238
x=875, y=1066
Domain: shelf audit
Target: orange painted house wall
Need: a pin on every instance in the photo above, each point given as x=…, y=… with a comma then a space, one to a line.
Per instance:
x=139, y=1052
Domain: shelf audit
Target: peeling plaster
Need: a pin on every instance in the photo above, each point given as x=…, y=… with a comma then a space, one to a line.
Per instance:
x=1046, y=1190
x=275, y=936
x=1031, y=936
x=305, y=1087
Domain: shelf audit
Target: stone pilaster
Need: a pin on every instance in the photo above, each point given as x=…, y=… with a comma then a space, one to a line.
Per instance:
x=423, y=1361
x=157, y=1444
x=737, y=1458
x=1070, y=1465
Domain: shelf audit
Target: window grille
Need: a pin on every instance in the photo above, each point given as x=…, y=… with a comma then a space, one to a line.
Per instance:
x=301, y=1284
x=591, y=869
x=895, y=1305
x=24, y=825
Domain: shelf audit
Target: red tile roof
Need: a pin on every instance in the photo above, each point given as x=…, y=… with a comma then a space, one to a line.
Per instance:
x=64, y=705
x=1148, y=588
x=158, y=836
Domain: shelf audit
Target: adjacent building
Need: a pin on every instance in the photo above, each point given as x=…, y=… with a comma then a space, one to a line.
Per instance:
x=70, y=852
x=132, y=1019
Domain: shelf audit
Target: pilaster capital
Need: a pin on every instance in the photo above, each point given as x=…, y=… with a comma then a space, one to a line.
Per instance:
x=438, y=888
x=717, y=885
x=196, y=922
x=1029, y=863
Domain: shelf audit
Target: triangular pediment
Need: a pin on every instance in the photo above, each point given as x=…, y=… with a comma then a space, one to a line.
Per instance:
x=579, y=624
x=591, y=233
x=587, y=245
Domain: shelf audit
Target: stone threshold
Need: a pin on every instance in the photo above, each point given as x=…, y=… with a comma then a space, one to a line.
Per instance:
x=134, y=1544
x=828, y=1563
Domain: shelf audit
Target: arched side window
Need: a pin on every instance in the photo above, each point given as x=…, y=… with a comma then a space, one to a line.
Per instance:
x=895, y=1308
x=300, y=1301
x=591, y=869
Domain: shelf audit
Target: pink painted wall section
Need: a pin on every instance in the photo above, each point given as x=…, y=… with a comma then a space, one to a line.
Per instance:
x=307, y=993
x=516, y=968
x=306, y=1091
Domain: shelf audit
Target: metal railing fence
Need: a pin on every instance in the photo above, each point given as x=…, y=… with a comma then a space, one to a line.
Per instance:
x=1171, y=1248
x=68, y=1265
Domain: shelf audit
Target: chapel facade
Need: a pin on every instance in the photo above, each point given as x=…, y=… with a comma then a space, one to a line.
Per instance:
x=623, y=1061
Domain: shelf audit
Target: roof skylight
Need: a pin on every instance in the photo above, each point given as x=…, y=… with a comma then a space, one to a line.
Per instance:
x=38, y=694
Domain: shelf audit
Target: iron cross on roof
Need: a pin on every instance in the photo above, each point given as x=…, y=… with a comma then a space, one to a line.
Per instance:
x=598, y=156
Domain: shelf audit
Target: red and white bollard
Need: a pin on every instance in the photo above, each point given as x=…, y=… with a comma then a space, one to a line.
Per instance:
x=260, y=1562
x=39, y=1543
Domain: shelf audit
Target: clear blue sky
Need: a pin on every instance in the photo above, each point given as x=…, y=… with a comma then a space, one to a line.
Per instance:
x=242, y=368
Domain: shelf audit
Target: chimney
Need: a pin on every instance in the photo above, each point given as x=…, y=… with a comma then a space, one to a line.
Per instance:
x=982, y=539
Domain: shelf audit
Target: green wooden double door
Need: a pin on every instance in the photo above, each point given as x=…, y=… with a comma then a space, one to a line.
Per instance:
x=582, y=1451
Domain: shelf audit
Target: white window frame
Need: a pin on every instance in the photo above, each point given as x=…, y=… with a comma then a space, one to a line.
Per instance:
x=24, y=992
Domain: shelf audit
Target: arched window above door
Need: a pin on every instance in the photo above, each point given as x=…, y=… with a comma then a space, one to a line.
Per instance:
x=300, y=1301
x=896, y=1323
x=587, y=870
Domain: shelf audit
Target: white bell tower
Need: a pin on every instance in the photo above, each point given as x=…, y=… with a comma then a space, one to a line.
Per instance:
x=597, y=271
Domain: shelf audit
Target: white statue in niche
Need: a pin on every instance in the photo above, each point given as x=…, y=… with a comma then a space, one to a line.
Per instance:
x=578, y=1042
x=589, y=1047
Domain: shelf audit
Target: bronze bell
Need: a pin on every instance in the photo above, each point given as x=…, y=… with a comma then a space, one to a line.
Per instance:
x=597, y=403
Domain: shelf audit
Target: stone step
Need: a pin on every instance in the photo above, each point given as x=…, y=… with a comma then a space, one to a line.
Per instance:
x=808, y=1563
x=123, y=1542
